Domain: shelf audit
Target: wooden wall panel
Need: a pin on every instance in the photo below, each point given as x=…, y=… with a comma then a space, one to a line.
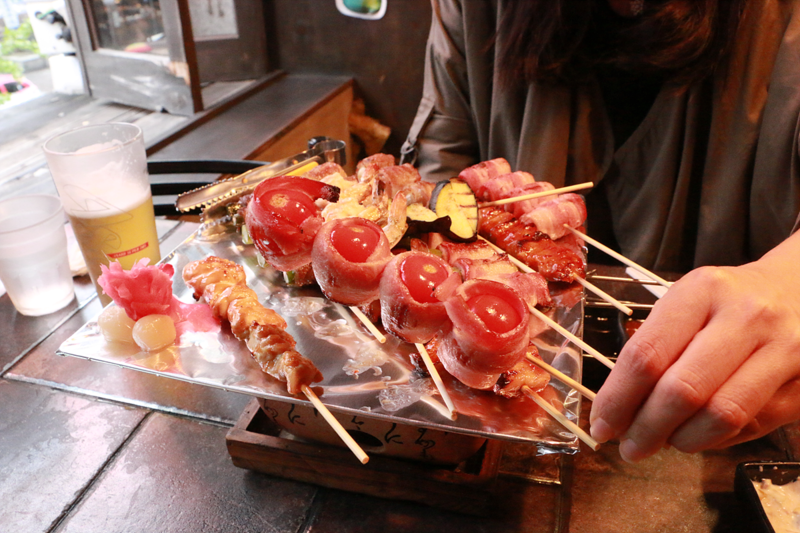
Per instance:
x=385, y=57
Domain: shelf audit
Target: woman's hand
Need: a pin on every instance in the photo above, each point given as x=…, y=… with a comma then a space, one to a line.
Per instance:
x=716, y=363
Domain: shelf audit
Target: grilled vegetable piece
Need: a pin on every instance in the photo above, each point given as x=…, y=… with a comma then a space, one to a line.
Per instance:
x=454, y=198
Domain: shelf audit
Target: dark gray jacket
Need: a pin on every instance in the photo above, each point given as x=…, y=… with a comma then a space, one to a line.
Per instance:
x=711, y=176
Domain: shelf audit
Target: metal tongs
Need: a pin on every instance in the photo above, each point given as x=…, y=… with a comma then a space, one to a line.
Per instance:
x=320, y=150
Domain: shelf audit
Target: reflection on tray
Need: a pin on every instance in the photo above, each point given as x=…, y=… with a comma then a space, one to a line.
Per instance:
x=362, y=376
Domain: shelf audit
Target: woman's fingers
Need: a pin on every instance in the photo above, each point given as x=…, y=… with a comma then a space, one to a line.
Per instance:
x=712, y=358
x=687, y=386
x=654, y=348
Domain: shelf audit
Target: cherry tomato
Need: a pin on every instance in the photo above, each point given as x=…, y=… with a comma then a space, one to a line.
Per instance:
x=355, y=242
x=293, y=206
x=498, y=315
x=421, y=276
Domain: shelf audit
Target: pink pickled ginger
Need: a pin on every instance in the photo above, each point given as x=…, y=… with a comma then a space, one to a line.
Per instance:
x=143, y=290
x=147, y=290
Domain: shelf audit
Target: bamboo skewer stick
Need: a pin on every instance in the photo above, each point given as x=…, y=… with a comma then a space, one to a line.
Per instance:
x=604, y=295
x=336, y=426
x=566, y=422
x=368, y=323
x=617, y=279
x=620, y=257
x=575, y=340
x=437, y=379
x=553, y=192
x=588, y=393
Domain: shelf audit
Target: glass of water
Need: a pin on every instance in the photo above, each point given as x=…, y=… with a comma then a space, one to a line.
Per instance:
x=34, y=266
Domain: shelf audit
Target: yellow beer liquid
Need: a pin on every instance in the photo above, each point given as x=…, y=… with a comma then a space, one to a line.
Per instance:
x=123, y=237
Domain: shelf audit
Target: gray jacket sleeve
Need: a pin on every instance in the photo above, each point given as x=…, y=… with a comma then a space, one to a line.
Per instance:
x=442, y=140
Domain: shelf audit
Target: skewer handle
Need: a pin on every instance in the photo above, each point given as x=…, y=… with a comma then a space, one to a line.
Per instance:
x=368, y=323
x=575, y=340
x=437, y=379
x=604, y=295
x=588, y=393
x=336, y=426
x=620, y=257
x=553, y=192
x=566, y=422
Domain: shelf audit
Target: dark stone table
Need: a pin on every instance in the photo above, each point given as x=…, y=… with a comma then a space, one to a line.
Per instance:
x=88, y=447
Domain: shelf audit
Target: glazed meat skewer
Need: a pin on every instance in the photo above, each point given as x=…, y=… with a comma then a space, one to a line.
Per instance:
x=221, y=283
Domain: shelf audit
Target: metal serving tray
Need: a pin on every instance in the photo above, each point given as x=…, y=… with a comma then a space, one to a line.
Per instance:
x=362, y=376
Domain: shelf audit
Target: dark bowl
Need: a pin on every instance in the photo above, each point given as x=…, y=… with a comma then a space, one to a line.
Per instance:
x=779, y=473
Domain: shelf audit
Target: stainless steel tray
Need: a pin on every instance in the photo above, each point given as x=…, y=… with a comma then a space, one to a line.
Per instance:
x=362, y=376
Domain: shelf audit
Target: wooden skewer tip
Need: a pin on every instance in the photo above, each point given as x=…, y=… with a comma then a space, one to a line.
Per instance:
x=437, y=379
x=335, y=425
x=563, y=420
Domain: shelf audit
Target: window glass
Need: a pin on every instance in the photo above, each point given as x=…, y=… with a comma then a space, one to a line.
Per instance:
x=129, y=25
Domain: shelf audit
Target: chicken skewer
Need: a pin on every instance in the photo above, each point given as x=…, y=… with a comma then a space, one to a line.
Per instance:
x=221, y=283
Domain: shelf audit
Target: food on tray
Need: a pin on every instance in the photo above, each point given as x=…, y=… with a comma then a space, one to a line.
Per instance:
x=222, y=284
x=116, y=325
x=348, y=257
x=144, y=311
x=469, y=303
x=487, y=333
x=525, y=242
x=454, y=199
x=550, y=217
x=409, y=308
x=153, y=332
x=282, y=219
x=143, y=290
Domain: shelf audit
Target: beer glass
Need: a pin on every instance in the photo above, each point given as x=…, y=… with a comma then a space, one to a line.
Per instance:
x=100, y=172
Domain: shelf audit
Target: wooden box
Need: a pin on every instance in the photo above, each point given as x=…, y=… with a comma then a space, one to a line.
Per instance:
x=256, y=443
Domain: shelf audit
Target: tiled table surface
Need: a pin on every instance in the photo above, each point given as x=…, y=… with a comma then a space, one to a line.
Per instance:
x=87, y=447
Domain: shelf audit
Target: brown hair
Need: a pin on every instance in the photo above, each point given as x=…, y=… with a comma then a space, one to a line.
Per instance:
x=683, y=40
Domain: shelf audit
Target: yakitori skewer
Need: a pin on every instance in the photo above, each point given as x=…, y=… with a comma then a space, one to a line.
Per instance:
x=437, y=379
x=604, y=295
x=563, y=420
x=575, y=340
x=588, y=393
x=617, y=279
x=620, y=257
x=589, y=286
x=335, y=425
x=552, y=192
x=368, y=323
x=606, y=305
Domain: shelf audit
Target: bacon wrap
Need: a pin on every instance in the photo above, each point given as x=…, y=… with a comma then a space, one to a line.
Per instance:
x=524, y=206
x=524, y=373
x=469, y=350
x=477, y=175
x=550, y=217
x=222, y=284
x=406, y=179
x=501, y=186
x=273, y=219
x=401, y=314
x=526, y=243
x=326, y=172
x=453, y=251
x=368, y=167
x=344, y=281
x=485, y=268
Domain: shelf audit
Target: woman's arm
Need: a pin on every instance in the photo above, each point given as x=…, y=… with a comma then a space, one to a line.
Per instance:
x=716, y=363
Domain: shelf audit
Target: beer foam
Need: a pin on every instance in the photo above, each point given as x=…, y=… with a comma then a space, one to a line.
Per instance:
x=99, y=147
